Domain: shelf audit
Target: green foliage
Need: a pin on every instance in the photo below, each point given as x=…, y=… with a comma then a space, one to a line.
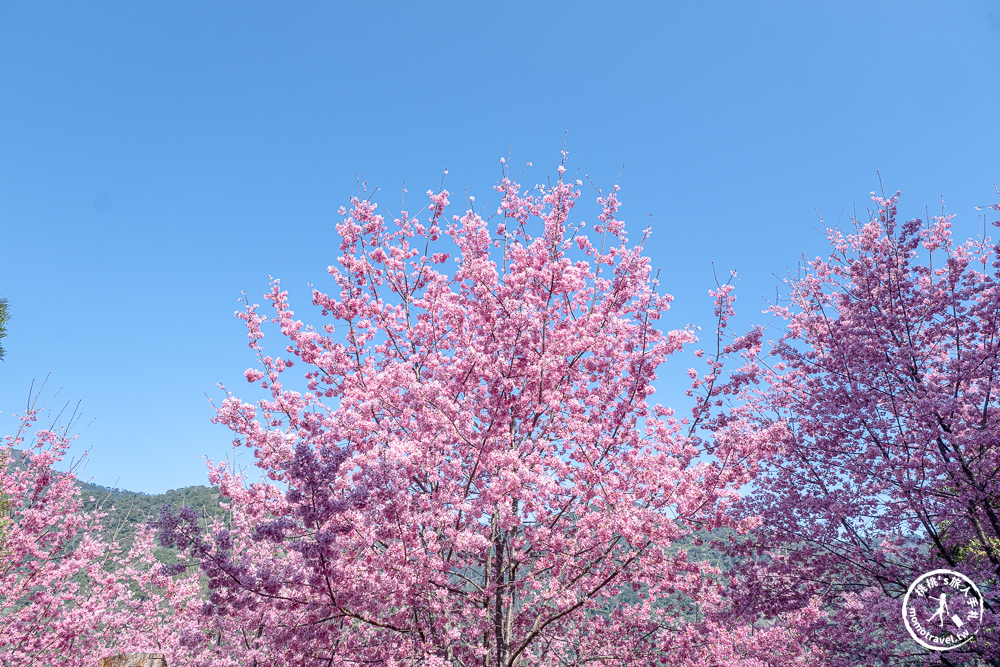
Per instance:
x=4, y=317
x=701, y=547
x=5, y=507
x=127, y=510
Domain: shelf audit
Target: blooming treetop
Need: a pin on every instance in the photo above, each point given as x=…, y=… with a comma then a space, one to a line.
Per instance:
x=473, y=472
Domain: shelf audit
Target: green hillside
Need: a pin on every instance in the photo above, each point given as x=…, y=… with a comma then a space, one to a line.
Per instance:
x=127, y=510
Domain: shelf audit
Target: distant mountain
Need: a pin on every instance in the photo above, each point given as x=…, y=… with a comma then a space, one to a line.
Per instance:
x=127, y=510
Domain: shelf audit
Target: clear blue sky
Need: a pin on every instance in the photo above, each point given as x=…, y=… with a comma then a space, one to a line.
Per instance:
x=157, y=159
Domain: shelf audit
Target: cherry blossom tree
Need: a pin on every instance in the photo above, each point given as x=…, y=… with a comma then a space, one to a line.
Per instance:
x=67, y=592
x=886, y=378
x=39, y=571
x=471, y=471
x=43, y=610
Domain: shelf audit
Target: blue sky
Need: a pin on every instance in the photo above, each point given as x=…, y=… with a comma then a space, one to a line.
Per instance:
x=157, y=159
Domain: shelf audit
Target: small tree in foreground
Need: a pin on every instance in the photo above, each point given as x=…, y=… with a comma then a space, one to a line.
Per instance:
x=67, y=593
x=473, y=473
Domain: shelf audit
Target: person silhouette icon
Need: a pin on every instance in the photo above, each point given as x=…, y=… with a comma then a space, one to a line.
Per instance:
x=941, y=610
